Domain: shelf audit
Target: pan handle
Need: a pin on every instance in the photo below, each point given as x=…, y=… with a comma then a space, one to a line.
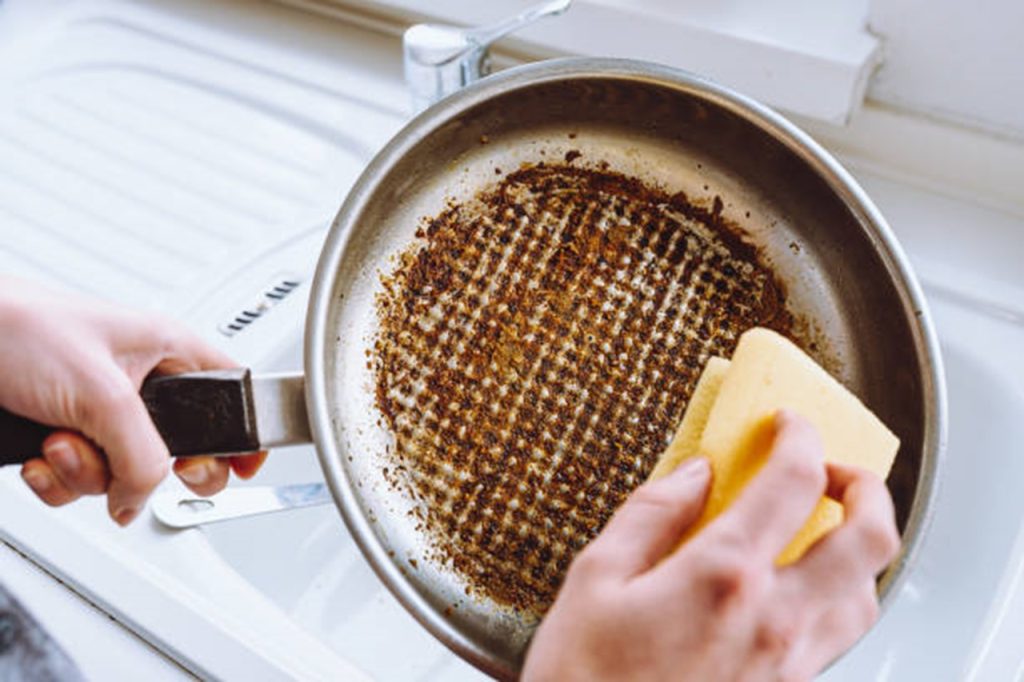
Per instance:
x=220, y=412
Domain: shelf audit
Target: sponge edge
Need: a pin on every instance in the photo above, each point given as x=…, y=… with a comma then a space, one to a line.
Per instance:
x=687, y=439
x=769, y=373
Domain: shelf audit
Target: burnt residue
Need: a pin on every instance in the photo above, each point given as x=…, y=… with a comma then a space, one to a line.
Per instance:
x=536, y=350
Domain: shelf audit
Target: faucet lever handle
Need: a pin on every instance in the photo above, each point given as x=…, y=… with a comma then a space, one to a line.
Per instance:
x=484, y=36
x=439, y=60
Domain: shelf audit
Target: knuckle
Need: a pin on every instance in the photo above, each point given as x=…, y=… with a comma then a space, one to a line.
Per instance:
x=807, y=473
x=730, y=578
x=880, y=539
x=166, y=337
x=776, y=635
x=159, y=339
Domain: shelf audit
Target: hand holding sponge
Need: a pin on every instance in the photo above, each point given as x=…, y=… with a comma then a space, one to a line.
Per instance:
x=729, y=420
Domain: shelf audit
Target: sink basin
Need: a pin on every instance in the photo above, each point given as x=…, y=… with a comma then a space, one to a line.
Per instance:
x=948, y=610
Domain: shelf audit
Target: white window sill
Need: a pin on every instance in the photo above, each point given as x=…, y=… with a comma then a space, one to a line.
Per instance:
x=806, y=57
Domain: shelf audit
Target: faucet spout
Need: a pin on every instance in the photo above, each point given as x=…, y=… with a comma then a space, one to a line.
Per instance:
x=440, y=59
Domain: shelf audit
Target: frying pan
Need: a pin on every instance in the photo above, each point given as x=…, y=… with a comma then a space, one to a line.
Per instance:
x=841, y=266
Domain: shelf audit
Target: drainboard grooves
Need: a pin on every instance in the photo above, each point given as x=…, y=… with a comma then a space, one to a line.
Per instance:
x=157, y=141
x=148, y=244
x=110, y=152
x=536, y=350
x=138, y=194
x=192, y=123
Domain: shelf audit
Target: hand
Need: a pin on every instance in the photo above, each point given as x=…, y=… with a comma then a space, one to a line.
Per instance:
x=719, y=609
x=79, y=364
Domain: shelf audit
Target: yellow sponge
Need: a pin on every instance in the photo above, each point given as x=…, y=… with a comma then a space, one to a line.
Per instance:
x=729, y=421
x=687, y=439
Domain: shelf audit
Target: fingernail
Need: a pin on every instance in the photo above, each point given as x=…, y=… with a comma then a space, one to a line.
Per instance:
x=125, y=515
x=39, y=481
x=695, y=467
x=64, y=457
x=195, y=475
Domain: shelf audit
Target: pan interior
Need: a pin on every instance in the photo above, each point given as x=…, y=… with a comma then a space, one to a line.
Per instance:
x=671, y=136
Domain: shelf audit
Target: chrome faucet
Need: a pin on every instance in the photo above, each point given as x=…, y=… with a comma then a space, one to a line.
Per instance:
x=442, y=59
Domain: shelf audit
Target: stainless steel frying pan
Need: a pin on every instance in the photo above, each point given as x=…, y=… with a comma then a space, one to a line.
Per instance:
x=841, y=266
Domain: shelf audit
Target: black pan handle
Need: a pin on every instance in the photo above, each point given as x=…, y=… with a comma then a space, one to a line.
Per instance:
x=196, y=413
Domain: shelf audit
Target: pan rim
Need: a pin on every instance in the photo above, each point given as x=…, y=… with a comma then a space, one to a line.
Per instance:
x=839, y=180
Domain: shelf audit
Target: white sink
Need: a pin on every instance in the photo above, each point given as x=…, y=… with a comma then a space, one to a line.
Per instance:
x=948, y=610
x=288, y=595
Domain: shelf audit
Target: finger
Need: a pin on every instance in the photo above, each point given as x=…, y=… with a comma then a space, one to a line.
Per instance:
x=651, y=521
x=186, y=352
x=76, y=463
x=832, y=634
x=146, y=343
x=39, y=476
x=115, y=417
x=203, y=475
x=209, y=475
x=776, y=503
x=246, y=466
x=857, y=550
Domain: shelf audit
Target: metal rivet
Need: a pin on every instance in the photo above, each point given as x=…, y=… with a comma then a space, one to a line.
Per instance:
x=196, y=505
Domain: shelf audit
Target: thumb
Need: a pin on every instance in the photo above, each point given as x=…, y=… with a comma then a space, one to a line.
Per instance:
x=651, y=522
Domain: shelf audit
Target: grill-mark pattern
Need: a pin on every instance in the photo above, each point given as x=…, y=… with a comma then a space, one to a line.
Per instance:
x=537, y=348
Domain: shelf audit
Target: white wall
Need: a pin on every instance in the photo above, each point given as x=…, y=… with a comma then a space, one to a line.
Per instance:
x=955, y=59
